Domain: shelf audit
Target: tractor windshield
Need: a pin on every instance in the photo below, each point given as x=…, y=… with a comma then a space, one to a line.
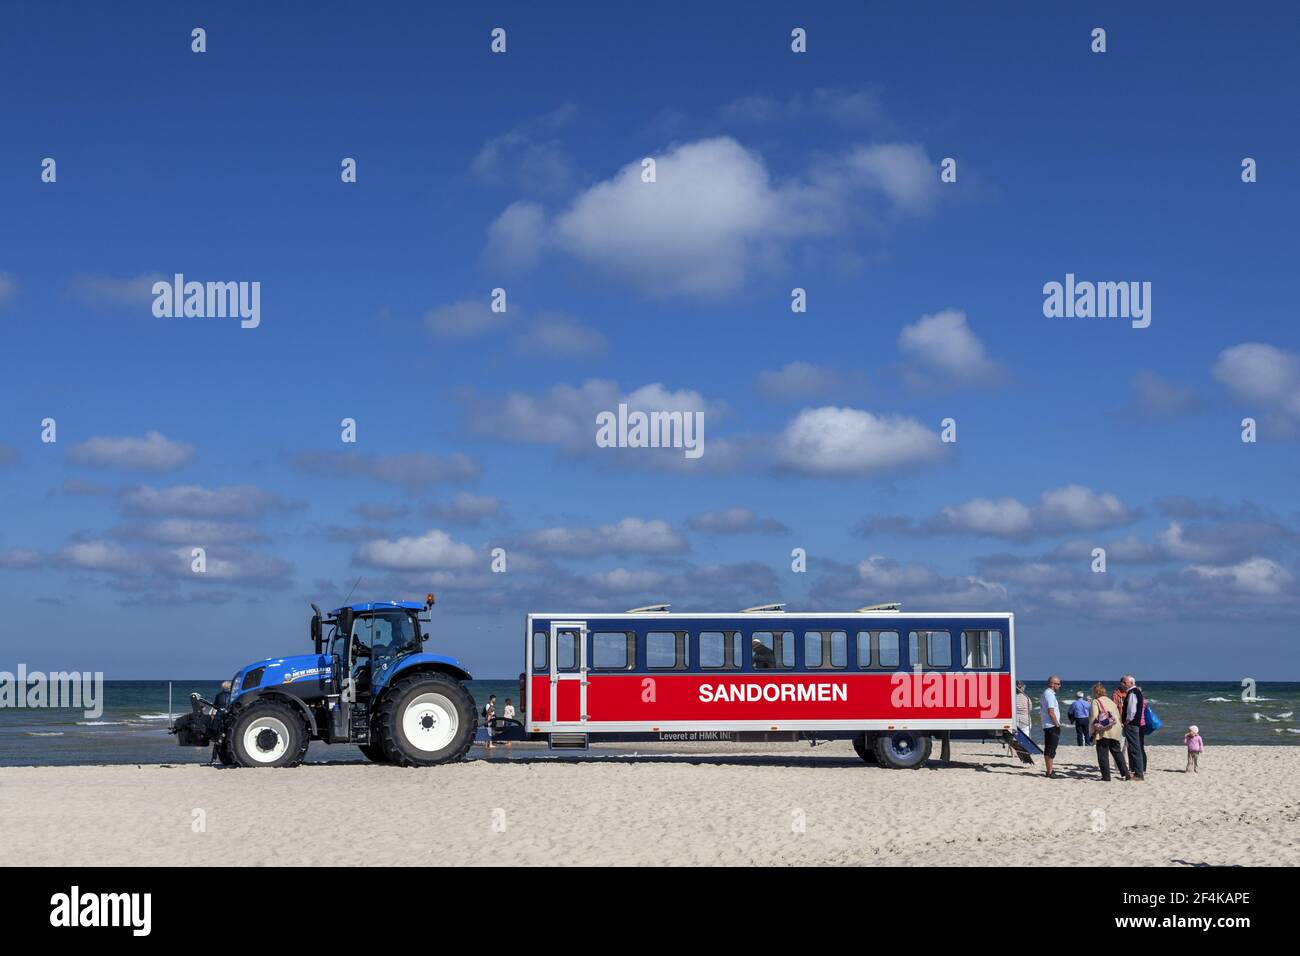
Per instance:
x=388, y=634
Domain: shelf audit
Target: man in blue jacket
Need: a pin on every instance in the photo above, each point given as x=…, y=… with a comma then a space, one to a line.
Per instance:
x=1079, y=711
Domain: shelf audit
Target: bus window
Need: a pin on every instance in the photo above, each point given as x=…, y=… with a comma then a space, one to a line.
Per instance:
x=666, y=650
x=981, y=650
x=566, y=650
x=825, y=649
x=613, y=650
x=540, y=660
x=720, y=650
x=877, y=650
x=930, y=650
x=772, y=649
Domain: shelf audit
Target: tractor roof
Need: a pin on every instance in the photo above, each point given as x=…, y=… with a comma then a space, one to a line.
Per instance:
x=383, y=605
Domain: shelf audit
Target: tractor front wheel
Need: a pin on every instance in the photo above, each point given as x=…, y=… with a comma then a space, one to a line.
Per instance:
x=268, y=734
x=426, y=719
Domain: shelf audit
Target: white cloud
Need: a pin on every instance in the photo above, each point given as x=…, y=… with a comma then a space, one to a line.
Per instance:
x=195, y=501
x=734, y=521
x=800, y=380
x=8, y=288
x=411, y=468
x=629, y=536
x=1156, y=398
x=99, y=556
x=1262, y=374
x=15, y=559
x=558, y=335
x=467, y=508
x=1068, y=508
x=529, y=156
x=463, y=320
x=853, y=108
x=433, y=550
x=517, y=237
x=714, y=216
x=190, y=532
x=849, y=441
x=112, y=290
x=1260, y=577
x=153, y=452
x=943, y=345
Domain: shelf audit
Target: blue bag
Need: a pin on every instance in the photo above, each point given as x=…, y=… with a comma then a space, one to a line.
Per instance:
x=1150, y=722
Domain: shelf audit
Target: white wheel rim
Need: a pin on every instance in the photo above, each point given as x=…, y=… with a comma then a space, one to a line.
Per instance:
x=430, y=722
x=255, y=749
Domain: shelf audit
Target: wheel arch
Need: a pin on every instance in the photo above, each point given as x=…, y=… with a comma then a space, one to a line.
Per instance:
x=429, y=666
x=284, y=697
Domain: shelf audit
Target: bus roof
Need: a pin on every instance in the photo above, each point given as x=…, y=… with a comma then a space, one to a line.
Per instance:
x=751, y=615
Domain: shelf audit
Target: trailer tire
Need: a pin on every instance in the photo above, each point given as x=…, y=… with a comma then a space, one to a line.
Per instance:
x=268, y=734
x=425, y=720
x=373, y=752
x=903, y=749
x=865, y=745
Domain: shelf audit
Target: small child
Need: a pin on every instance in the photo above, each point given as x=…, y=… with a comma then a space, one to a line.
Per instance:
x=1194, y=747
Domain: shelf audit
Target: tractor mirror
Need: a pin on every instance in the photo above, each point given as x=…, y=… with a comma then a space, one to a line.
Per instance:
x=315, y=631
x=345, y=623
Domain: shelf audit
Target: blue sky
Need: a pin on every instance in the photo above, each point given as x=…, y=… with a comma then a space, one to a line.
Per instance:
x=521, y=171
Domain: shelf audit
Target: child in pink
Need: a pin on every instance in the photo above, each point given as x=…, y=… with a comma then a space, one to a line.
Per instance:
x=1194, y=747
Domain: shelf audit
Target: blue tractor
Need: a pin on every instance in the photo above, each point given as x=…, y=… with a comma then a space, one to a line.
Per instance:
x=369, y=683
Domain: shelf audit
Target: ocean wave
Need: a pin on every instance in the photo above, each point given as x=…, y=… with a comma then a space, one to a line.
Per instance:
x=157, y=716
x=1258, y=716
x=1218, y=700
x=1285, y=716
x=44, y=733
x=101, y=723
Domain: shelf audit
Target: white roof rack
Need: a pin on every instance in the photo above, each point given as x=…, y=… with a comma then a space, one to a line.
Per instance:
x=891, y=606
x=760, y=608
x=649, y=608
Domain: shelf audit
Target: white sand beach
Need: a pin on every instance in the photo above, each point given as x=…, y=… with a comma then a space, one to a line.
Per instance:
x=766, y=805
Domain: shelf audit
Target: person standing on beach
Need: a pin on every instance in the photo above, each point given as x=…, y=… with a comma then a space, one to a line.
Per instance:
x=508, y=712
x=1051, y=721
x=1194, y=747
x=1103, y=718
x=1131, y=717
x=1079, y=714
x=489, y=715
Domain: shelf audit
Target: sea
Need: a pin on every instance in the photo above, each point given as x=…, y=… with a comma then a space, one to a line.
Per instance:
x=133, y=726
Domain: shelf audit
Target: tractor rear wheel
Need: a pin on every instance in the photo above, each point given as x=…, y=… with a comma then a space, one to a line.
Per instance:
x=373, y=752
x=903, y=749
x=268, y=734
x=866, y=747
x=426, y=719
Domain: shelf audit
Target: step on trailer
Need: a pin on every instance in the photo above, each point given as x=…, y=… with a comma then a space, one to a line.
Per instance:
x=891, y=682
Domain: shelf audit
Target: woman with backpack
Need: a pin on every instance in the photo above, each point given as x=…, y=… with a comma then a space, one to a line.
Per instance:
x=489, y=714
x=1103, y=718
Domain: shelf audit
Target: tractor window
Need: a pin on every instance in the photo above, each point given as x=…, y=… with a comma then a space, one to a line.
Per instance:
x=388, y=633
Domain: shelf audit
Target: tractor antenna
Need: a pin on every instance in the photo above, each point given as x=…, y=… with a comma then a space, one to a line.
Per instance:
x=350, y=593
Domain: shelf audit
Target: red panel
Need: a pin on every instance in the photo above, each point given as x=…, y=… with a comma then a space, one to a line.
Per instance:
x=832, y=696
x=540, y=697
x=568, y=700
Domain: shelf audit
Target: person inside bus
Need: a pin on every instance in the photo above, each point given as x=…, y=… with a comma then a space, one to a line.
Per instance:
x=764, y=659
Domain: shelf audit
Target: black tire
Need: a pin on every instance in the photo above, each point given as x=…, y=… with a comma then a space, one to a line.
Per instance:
x=456, y=703
x=281, y=740
x=373, y=752
x=903, y=749
x=224, y=754
x=865, y=745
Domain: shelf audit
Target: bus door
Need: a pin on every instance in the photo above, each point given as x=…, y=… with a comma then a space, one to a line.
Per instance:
x=568, y=671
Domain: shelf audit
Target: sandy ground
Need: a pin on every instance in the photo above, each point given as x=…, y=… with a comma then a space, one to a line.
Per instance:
x=768, y=804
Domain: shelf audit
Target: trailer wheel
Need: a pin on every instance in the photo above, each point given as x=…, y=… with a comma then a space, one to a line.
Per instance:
x=373, y=752
x=865, y=745
x=426, y=719
x=902, y=749
x=268, y=734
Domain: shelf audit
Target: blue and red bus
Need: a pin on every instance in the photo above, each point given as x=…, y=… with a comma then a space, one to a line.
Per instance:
x=891, y=682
